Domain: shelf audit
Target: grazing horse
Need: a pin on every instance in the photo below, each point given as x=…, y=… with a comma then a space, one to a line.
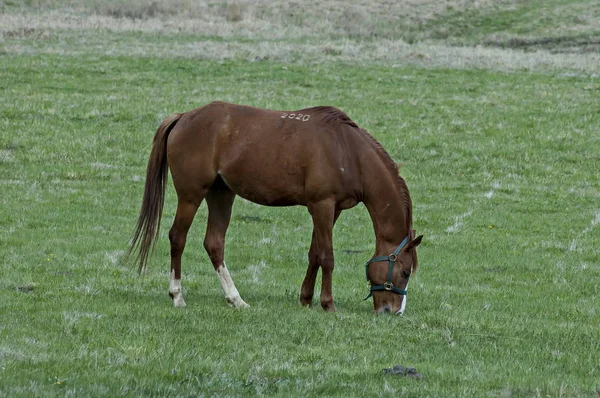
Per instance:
x=316, y=157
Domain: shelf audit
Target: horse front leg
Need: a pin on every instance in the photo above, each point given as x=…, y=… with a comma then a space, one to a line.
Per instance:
x=323, y=215
x=308, y=285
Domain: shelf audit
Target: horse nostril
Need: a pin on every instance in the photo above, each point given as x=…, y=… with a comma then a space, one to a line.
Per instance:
x=385, y=309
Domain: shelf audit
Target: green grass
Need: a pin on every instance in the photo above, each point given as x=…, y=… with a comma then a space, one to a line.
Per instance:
x=503, y=173
x=502, y=166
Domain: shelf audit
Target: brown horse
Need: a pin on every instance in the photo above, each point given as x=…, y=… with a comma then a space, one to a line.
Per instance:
x=316, y=157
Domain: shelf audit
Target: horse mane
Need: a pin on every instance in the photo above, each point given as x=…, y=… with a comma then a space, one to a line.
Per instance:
x=401, y=184
x=330, y=114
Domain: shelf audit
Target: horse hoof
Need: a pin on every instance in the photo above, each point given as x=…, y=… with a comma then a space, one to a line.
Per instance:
x=178, y=302
x=237, y=303
x=306, y=302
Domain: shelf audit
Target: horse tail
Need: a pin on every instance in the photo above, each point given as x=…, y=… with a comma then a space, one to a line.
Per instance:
x=148, y=223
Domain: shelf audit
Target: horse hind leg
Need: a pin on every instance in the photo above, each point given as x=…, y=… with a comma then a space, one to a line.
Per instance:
x=220, y=200
x=308, y=285
x=177, y=236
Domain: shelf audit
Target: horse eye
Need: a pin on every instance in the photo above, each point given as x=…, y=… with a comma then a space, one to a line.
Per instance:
x=405, y=274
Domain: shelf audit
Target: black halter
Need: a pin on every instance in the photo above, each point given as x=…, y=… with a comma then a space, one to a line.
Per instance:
x=388, y=285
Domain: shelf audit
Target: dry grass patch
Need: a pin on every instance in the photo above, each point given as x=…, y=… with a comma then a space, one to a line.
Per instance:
x=245, y=18
x=395, y=53
x=297, y=31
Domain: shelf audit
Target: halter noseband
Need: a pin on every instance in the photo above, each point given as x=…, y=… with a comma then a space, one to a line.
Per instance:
x=388, y=285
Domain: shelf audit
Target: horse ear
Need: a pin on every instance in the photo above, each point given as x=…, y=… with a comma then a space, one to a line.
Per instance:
x=414, y=243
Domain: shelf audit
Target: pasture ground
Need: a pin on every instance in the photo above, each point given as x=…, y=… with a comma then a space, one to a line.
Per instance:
x=491, y=108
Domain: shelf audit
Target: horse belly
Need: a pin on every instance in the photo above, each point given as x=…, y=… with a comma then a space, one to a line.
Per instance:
x=281, y=185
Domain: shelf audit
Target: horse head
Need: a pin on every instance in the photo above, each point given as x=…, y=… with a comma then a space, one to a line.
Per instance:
x=388, y=276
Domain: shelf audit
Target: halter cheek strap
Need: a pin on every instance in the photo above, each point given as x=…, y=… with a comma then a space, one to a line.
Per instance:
x=388, y=285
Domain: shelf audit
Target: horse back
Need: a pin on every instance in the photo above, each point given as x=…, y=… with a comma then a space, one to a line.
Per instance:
x=266, y=156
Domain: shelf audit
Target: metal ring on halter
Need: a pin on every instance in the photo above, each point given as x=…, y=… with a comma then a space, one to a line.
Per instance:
x=393, y=257
x=388, y=285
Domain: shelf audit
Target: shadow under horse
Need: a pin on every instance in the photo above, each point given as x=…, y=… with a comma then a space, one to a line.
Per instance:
x=316, y=157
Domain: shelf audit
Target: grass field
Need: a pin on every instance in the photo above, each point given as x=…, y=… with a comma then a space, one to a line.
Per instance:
x=491, y=108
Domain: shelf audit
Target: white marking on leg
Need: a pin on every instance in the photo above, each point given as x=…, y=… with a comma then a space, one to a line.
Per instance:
x=231, y=293
x=175, y=291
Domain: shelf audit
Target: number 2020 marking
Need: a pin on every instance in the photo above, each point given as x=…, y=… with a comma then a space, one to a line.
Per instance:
x=296, y=116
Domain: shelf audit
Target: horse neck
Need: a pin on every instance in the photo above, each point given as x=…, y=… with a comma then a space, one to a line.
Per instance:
x=385, y=200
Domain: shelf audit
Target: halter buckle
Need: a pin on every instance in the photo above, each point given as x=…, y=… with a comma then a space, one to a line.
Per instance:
x=388, y=285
